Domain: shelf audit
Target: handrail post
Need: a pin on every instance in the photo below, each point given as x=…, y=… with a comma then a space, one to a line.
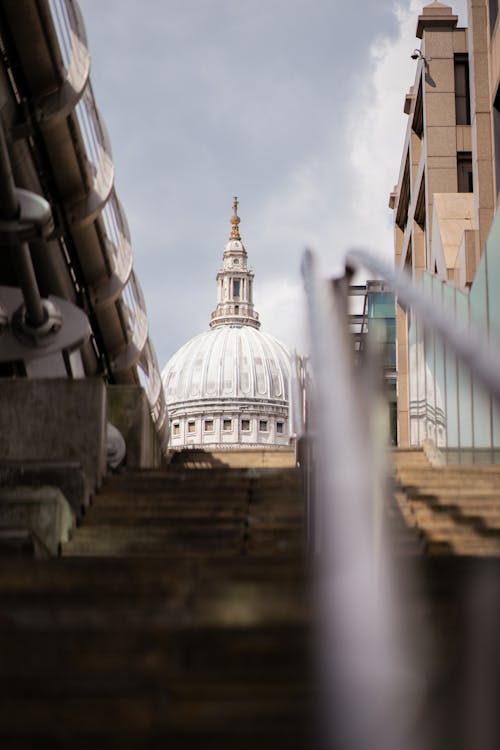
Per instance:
x=366, y=667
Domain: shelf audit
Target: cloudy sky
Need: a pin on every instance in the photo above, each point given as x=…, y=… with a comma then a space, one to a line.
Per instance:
x=293, y=105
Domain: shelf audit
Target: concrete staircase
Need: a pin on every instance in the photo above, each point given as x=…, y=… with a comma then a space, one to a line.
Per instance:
x=454, y=509
x=175, y=618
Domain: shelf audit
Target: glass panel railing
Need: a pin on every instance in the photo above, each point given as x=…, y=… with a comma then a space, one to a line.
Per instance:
x=72, y=43
x=90, y=129
x=117, y=234
x=134, y=305
x=454, y=349
x=64, y=25
x=150, y=379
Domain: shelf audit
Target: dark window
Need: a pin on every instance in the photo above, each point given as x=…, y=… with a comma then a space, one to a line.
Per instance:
x=209, y=425
x=418, y=114
x=236, y=287
x=263, y=425
x=462, y=90
x=279, y=427
x=496, y=132
x=227, y=425
x=464, y=172
x=493, y=14
x=245, y=425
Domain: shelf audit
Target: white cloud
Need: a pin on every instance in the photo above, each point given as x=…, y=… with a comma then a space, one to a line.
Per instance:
x=280, y=305
x=339, y=197
x=301, y=118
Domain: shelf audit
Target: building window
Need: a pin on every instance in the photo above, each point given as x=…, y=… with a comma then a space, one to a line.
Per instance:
x=236, y=309
x=209, y=425
x=236, y=261
x=279, y=428
x=245, y=425
x=191, y=426
x=462, y=91
x=496, y=135
x=176, y=428
x=227, y=425
x=263, y=425
x=464, y=172
x=493, y=14
x=236, y=287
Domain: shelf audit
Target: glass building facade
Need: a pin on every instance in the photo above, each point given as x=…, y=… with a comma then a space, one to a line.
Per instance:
x=373, y=312
x=447, y=404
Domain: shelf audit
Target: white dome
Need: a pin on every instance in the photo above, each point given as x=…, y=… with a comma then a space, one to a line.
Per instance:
x=230, y=386
x=229, y=362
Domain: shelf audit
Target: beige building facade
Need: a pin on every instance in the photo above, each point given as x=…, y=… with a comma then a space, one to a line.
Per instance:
x=446, y=197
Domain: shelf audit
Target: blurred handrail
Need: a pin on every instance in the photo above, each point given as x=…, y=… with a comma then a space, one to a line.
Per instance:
x=468, y=344
x=367, y=669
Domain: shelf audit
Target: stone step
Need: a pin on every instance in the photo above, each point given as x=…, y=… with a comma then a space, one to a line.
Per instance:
x=176, y=617
x=19, y=541
x=444, y=479
x=75, y=574
x=203, y=459
x=230, y=707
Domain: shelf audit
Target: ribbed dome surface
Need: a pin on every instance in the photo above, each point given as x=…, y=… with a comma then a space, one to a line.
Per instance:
x=228, y=362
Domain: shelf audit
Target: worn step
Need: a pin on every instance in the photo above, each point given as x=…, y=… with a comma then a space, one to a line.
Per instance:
x=176, y=617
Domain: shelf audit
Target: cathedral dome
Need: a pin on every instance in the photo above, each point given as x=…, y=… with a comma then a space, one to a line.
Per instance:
x=229, y=387
x=229, y=362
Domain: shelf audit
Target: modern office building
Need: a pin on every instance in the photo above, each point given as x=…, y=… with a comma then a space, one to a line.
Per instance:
x=372, y=312
x=446, y=222
x=230, y=386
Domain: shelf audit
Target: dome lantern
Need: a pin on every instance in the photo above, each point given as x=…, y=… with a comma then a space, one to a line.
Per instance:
x=235, y=283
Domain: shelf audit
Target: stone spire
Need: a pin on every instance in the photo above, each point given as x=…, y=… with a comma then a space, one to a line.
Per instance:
x=235, y=283
x=235, y=221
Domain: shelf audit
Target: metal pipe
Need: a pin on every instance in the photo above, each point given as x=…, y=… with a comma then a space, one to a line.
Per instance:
x=468, y=345
x=370, y=682
x=35, y=314
x=9, y=210
x=9, y=205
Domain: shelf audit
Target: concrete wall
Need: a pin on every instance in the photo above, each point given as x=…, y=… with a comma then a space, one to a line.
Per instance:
x=55, y=420
x=128, y=410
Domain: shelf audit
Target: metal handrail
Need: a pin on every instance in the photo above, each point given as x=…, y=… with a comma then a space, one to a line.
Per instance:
x=468, y=345
x=367, y=668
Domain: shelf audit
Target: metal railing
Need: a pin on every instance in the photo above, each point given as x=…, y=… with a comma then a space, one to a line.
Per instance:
x=469, y=345
x=371, y=663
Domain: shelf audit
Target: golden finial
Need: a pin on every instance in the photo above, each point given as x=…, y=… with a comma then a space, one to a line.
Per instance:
x=235, y=220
